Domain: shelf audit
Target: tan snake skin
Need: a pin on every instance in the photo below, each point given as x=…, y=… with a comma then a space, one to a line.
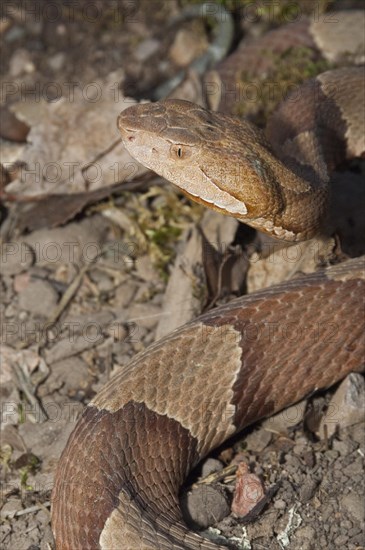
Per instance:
x=118, y=479
x=279, y=187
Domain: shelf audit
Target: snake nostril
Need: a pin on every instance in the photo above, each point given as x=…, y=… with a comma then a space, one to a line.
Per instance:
x=131, y=138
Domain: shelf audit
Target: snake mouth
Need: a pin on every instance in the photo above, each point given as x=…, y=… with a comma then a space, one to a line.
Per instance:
x=131, y=136
x=128, y=134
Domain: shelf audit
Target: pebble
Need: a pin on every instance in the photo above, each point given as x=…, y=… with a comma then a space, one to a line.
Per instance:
x=304, y=537
x=15, y=258
x=286, y=419
x=11, y=507
x=12, y=129
x=5, y=24
x=354, y=531
x=257, y=440
x=353, y=504
x=21, y=281
x=355, y=468
x=146, y=49
x=341, y=446
x=15, y=33
x=67, y=348
x=248, y=492
x=358, y=434
x=186, y=47
x=35, y=26
x=341, y=540
x=72, y=374
x=280, y=504
x=20, y=63
x=308, y=489
x=57, y=61
x=346, y=524
x=39, y=298
x=102, y=280
x=144, y=315
x=124, y=294
x=145, y=269
x=210, y=466
x=346, y=406
x=205, y=505
x=117, y=331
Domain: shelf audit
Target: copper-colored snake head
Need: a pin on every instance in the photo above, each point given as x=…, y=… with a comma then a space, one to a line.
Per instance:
x=221, y=162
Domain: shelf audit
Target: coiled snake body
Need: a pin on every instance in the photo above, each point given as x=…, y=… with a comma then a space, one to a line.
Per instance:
x=118, y=479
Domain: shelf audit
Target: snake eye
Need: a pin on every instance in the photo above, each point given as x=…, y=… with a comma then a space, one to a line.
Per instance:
x=180, y=152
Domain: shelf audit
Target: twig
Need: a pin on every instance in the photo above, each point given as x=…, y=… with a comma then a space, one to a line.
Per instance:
x=29, y=510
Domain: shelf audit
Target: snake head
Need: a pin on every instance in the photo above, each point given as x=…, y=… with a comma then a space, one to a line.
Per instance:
x=207, y=155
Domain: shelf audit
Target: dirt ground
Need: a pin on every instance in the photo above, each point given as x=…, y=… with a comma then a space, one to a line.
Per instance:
x=82, y=296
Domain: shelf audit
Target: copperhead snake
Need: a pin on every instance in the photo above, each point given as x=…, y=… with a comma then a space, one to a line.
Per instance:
x=118, y=479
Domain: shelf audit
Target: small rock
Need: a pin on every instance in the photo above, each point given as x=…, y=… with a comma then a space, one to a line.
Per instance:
x=346, y=524
x=186, y=47
x=35, y=26
x=257, y=440
x=146, y=48
x=42, y=517
x=74, y=373
x=39, y=298
x=145, y=269
x=205, y=505
x=136, y=337
x=341, y=540
x=346, y=406
x=15, y=258
x=48, y=439
x=309, y=458
x=12, y=129
x=57, y=61
x=286, y=419
x=144, y=315
x=117, y=331
x=124, y=294
x=10, y=508
x=20, y=63
x=355, y=468
x=304, y=538
x=61, y=29
x=21, y=282
x=10, y=436
x=11, y=311
x=90, y=325
x=15, y=33
x=341, y=446
x=280, y=504
x=66, y=348
x=353, y=504
x=358, y=435
x=47, y=538
x=5, y=24
x=248, y=492
x=102, y=280
x=74, y=243
x=210, y=466
x=308, y=490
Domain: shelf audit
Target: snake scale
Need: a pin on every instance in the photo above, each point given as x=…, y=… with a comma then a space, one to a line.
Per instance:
x=118, y=479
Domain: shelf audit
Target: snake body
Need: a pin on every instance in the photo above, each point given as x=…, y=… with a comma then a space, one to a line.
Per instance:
x=118, y=479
